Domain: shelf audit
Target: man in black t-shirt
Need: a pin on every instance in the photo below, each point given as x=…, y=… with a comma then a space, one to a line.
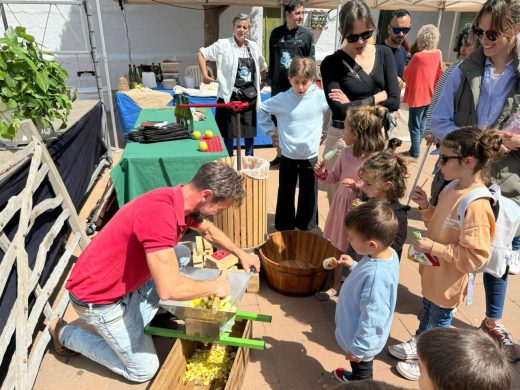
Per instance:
x=398, y=28
x=287, y=41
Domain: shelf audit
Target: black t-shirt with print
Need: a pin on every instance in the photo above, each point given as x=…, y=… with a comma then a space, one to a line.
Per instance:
x=284, y=45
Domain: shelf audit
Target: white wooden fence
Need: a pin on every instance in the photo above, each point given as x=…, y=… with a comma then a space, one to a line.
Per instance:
x=22, y=321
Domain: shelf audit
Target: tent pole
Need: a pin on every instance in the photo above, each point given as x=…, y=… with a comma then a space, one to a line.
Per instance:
x=107, y=73
x=453, y=29
x=439, y=20
x=4, y=17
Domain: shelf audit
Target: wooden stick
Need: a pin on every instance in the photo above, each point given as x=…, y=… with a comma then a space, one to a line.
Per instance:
x=419, y=171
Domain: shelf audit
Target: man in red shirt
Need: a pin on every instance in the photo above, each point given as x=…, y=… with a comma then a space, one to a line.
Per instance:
x=117, y=282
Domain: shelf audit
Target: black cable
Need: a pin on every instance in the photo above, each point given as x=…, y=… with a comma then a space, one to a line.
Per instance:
x=127, y=35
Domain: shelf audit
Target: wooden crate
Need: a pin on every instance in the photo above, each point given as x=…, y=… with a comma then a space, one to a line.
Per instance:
x=174, y=367
x=246, y=225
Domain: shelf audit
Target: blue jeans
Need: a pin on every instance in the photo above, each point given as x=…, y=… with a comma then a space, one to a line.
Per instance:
x=120, y=343
x=416, y=122
x=495, y=289
x=433, y=316
x=248, y=142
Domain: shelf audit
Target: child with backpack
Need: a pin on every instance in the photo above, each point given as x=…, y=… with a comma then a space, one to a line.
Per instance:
x=459, y=249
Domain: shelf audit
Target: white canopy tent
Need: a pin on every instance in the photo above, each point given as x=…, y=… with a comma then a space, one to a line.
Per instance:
x=439, y=6
x=410, y=5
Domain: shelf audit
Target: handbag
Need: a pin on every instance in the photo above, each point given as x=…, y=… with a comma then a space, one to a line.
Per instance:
x=247, y=94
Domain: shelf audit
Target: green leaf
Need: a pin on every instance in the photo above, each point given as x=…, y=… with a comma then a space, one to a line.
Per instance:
x=7, y=92
x=11, y=104
x=11, y=83
x=42, y=79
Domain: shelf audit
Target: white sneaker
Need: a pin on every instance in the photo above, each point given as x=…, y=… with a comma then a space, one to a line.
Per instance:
x=410, y=370
x=514, y=263
x=405, y=351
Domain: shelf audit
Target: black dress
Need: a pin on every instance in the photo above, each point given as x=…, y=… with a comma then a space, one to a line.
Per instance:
x=225, y=117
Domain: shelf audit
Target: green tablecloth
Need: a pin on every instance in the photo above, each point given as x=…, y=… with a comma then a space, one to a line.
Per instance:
x=144, y=167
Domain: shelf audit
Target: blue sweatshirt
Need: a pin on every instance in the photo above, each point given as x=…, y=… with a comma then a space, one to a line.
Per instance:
x=300, y=121
x=366, y=306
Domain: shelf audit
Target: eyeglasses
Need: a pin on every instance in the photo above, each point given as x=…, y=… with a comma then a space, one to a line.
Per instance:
x=443, y=160
x=355, y=37
x=398, y=30
x=491, y=35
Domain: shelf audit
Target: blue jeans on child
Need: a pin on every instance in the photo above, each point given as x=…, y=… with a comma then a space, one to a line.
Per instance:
x=120, y=343
x=496, y=288
x=433, y=316
x=416, y=122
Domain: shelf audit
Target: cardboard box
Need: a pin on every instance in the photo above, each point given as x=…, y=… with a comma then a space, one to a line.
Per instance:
x=221, y=259
x=174, y=367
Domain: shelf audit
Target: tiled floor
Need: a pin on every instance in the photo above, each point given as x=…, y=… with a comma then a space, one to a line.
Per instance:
x=300, y=346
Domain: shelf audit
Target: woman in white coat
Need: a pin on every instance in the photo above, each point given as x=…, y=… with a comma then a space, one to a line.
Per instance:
x=240, y=73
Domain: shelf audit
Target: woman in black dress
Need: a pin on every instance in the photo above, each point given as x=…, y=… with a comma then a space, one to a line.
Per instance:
x=240, y=67
x=358, y=73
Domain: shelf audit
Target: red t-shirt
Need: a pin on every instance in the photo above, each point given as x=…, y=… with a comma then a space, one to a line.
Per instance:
x=114, y=263
x=421, y=76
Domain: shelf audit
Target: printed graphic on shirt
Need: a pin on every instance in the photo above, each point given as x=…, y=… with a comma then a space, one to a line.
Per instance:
x=245, y=73
x=286, y=59
x=451, y=223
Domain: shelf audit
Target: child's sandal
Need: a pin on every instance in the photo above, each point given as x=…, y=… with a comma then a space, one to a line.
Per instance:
x=326, y=295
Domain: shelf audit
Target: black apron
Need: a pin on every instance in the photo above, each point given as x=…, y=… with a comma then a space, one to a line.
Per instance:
x=225, y=117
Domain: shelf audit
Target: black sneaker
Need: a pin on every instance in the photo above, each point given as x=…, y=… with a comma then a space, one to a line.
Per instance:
x=275, y=163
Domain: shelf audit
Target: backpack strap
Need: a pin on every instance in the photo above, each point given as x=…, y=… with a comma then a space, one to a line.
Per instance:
x=473, y=195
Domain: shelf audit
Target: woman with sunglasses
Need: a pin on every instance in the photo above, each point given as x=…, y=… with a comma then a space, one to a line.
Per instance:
x=357, y=74
x=480, y=92
x=421, y=75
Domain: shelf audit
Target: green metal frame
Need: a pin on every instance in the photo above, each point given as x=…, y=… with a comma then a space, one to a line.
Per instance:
x=224, y=337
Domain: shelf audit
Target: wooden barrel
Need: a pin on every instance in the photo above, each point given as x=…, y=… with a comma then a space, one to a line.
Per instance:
x=246, y=225
x=292, y=262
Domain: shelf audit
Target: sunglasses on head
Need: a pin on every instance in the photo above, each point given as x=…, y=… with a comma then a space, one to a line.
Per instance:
x=444, y=159
x=491, y=35
x=355, y=37
x=398, y=30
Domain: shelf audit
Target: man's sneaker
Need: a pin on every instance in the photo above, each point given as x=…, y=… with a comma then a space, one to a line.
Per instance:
x=501, y=335
x=342, y=375
x=275, y=163
x=55, y=327
x=410, y=370
x=405, y=351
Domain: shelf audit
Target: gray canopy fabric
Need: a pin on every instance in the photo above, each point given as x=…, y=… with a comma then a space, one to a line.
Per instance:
x=410, y=5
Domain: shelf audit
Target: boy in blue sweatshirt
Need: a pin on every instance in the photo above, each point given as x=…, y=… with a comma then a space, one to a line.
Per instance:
x=366, y=302
x=299, y=113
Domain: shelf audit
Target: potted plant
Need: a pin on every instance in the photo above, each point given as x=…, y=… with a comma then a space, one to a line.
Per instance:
x=31, y=86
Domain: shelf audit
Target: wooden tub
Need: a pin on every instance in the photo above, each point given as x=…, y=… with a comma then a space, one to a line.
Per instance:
x=292, y=262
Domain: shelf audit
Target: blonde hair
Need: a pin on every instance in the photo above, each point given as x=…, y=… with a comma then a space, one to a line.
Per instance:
x=303, y=67
x=427, y=37
x=366, y=123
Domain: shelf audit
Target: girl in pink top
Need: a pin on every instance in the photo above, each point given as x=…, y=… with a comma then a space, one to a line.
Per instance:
x=421, y=75
x=363, y=137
